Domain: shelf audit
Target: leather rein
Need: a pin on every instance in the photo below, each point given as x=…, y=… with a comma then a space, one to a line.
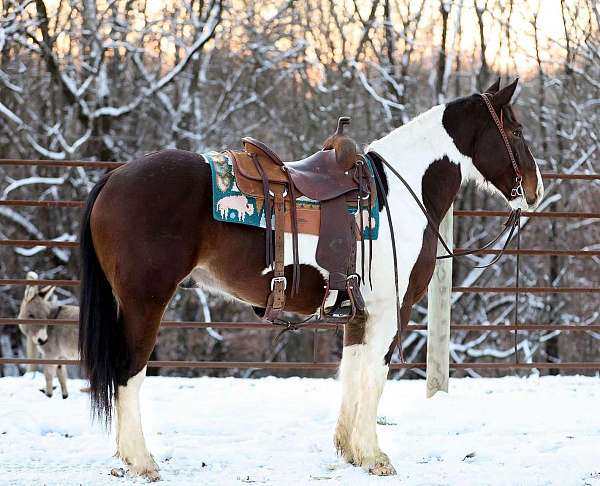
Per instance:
x=511, y=224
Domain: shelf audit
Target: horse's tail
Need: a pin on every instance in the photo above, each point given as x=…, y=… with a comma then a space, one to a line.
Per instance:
x=102, y=345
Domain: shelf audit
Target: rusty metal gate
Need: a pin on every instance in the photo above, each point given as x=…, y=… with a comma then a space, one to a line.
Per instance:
x=314, y=364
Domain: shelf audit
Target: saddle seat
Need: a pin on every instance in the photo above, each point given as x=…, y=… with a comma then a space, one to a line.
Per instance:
x=320, y=176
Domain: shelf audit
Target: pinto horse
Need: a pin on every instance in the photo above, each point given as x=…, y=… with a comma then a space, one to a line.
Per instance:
x=148, y=226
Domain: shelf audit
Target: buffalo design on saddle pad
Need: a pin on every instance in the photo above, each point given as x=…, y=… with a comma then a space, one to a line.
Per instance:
x=330, y=194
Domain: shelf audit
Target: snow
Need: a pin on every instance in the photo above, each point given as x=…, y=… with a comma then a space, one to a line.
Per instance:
x=226, y=431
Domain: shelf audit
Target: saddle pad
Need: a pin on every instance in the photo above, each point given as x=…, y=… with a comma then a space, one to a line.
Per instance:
x=232, y=206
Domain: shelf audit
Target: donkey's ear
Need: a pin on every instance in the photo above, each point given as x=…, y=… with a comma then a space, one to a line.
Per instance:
x=493, y=89
x=47, y=291
x=31, y=291
x=503, y=97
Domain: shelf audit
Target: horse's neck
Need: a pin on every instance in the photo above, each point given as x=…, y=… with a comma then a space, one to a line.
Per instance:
x=426, y=156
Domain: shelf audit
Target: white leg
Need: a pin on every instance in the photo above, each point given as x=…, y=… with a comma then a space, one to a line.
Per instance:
x=61, y=372
x=131, y=446
x=350, y=386
x=363, y=374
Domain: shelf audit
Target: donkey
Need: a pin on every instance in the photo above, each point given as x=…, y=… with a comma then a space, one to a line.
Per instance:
x=148, y=226
x=53, y=342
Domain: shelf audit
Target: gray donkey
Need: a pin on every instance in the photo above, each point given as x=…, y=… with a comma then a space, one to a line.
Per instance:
x=53, y=342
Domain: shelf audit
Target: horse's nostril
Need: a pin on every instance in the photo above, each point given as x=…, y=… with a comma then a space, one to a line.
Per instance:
x=41, y=341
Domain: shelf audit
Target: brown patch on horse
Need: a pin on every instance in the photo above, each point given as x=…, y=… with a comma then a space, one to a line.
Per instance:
x=152, y=225
x=354, y=330
x=437, y=199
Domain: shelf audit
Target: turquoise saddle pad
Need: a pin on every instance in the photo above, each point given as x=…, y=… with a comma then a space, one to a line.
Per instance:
x=231, y=206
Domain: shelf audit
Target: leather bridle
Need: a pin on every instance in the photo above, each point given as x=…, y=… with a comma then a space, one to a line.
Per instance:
x=517, y=190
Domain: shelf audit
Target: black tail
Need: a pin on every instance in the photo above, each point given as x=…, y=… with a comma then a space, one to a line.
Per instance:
x=102, y=345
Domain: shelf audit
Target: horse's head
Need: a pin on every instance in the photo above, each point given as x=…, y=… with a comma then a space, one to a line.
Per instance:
x=511, y=170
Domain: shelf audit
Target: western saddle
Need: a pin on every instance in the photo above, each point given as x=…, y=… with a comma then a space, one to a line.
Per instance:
x=337, y=177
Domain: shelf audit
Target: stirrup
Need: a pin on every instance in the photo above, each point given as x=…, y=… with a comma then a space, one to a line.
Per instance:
x=348, y=302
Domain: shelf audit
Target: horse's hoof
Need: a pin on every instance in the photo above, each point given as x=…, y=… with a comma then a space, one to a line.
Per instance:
x=150, y=474
x=144, y=467
x=65, y=396
x=382, y=470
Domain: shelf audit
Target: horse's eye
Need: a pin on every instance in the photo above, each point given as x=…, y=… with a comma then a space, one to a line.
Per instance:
x=517, y=133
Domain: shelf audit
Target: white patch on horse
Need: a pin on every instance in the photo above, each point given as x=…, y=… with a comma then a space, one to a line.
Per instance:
x=131, y=446
x=307, y=253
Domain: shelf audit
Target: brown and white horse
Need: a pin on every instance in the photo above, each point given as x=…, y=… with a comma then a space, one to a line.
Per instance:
x=148, y=226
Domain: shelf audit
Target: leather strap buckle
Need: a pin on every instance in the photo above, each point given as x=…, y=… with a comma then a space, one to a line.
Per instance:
x=276, y=280
x=353, y=277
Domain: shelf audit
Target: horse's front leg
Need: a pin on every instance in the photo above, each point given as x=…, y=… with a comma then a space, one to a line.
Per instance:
x=363, y=373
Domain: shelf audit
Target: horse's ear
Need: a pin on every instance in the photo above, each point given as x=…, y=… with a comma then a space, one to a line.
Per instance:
x=493, y=89
x=47, y=291
x=503, y=97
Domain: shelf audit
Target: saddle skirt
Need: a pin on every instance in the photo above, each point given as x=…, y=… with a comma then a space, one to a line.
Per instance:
x=231, y=205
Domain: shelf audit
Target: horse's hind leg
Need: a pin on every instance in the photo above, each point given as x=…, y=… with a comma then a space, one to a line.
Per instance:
x=141, y=329
x=131, y=446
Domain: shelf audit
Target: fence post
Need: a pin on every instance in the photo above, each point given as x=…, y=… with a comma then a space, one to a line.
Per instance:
x=438, y=316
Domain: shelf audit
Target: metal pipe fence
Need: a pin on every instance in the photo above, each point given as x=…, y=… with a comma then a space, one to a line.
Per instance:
x=315, y=327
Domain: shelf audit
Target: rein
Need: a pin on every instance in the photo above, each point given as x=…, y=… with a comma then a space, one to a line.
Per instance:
x=511, y=224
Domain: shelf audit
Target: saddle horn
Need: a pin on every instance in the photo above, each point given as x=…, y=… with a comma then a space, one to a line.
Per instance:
x=342, y=122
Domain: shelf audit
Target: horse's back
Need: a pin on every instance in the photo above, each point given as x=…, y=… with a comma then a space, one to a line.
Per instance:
x=159, y=178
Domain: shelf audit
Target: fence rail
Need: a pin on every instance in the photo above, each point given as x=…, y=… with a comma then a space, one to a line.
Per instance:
x=471, y=290
x=316, y=365
x=331, y=365
x=7, y=321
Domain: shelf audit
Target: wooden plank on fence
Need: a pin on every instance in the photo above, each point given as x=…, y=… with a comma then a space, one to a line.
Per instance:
x=438, y=316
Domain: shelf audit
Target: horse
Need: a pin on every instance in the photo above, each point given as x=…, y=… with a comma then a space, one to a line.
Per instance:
x=148, y=226
x=54, y=342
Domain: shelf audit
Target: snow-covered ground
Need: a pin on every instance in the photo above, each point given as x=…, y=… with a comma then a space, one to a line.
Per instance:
x=224, y=431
